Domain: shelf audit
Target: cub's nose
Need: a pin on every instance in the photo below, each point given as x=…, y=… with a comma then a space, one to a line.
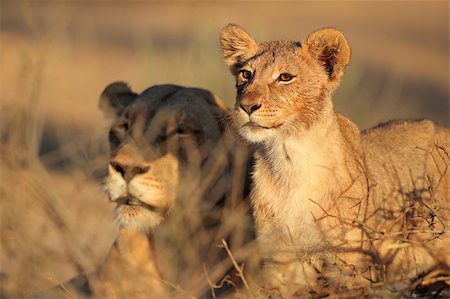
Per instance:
x=250, y=108
x=128, y=170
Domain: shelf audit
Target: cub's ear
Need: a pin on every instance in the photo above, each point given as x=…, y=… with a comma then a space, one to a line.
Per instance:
x=115, y=98
x=237, y=45
x=330, y=48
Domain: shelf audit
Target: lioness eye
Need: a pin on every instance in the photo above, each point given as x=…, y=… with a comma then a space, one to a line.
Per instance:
x=181, y=131
x=246, y=74
x=285, y=77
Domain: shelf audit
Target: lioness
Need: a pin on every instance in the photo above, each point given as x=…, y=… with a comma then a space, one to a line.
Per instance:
x=171, y=161
x=334, y=207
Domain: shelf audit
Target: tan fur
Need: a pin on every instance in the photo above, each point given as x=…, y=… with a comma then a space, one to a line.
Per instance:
x=130, y=270
x=237, y=45
x=169, y=154
x=334, y=208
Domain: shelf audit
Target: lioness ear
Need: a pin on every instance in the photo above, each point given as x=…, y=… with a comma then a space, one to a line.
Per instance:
x=237, y=45
x=330, y=48
x=115, y=98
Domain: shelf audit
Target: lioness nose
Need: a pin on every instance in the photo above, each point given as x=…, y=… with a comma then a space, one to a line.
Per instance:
x=250, y=108
x=128, y=170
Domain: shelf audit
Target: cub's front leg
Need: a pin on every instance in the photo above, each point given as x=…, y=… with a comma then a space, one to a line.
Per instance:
x=292, y=279
x=317, y=273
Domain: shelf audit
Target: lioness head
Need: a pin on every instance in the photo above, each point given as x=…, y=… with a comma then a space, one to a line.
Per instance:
x=157, y=139
x=283, y=85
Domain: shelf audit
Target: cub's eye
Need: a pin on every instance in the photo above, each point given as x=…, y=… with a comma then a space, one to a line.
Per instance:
x=285, y=77
x=245, y=74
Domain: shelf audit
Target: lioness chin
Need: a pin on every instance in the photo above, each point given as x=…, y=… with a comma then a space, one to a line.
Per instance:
x=335, y=209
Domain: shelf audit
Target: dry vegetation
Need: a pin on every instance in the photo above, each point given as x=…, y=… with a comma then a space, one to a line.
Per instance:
x=56, y=57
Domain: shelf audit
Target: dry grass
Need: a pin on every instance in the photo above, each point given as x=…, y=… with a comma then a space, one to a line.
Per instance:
x=56, y=57
x=54, y=224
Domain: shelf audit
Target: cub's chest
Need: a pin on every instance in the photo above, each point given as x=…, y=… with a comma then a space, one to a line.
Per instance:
x=290, y=191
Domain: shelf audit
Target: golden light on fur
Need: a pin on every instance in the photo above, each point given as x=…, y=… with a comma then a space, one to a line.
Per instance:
x=335, y=209
x=237, y=45
x=330, y=48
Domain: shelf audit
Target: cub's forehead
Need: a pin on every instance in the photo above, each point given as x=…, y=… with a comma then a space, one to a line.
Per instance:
x=276, y=52
x=280, y=46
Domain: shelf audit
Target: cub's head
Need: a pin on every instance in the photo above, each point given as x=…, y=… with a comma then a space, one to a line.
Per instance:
x=158, y=139
x=283, y=86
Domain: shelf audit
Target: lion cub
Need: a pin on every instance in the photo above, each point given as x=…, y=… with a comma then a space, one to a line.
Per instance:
x=334, y=208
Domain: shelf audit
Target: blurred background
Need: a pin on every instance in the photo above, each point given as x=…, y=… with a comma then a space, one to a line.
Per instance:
x=57, y=56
